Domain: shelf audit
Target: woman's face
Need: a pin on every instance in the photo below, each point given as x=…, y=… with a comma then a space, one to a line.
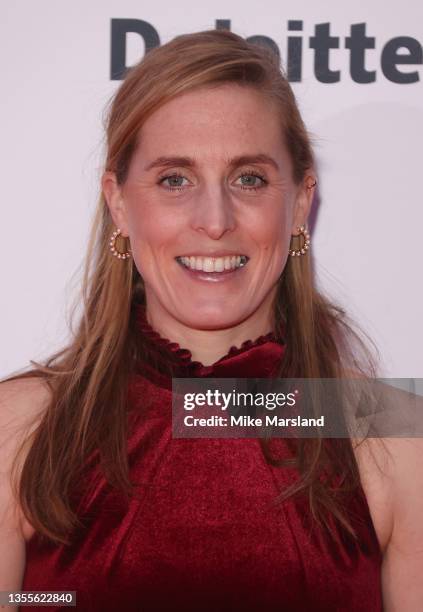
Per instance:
x=211, y=177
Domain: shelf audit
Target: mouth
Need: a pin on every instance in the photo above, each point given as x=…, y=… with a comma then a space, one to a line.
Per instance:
x=213, y=268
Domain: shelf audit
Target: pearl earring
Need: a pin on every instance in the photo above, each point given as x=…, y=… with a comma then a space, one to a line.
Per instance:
x=115, y=252
x=306, y=244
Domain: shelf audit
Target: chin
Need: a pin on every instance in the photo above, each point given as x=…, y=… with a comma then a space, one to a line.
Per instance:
x=210, y=319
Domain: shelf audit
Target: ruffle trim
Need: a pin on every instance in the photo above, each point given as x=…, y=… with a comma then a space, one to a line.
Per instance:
x=182, y=355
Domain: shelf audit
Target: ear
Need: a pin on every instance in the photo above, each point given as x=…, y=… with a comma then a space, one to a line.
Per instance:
x=113, y=195
x=303, y=201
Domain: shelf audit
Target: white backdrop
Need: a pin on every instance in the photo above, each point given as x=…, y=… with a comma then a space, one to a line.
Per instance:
x=366, y=236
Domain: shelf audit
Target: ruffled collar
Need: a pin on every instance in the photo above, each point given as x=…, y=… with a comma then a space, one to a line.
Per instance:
x=257, y=358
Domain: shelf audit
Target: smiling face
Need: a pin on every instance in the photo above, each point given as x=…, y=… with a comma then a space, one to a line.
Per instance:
x=211, y=176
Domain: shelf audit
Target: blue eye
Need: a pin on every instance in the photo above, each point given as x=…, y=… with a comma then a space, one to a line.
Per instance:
x=172, y=177
x=249, y=180
x=252, y=175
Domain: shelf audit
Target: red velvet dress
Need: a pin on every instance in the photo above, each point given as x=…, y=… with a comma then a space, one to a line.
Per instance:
x=203, y=532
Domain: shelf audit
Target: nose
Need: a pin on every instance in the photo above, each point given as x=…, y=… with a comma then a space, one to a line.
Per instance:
x=213, y=212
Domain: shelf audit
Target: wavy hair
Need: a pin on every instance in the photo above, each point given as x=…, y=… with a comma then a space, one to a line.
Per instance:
x=91, y=374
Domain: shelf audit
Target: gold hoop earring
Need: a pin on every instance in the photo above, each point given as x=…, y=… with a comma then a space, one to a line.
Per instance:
x=306, y=244
x=113, y=248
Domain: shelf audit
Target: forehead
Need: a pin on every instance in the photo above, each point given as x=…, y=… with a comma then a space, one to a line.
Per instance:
x=221, y=121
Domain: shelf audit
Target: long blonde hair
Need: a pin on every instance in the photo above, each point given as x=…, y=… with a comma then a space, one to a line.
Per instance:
x=91, y=374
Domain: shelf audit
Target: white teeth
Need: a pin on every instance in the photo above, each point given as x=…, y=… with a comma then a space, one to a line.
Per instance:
x=214, y=264
x=208, y=264
x=219, y=265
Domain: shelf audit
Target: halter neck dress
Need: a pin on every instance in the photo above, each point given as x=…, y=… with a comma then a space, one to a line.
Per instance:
x=203, y=532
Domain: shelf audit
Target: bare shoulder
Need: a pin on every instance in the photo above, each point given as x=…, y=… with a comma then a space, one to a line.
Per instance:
x=391, y=471
x=23, y=402
x=397, y=482
x=22, y=398
x=373, y=460
x=22, y=405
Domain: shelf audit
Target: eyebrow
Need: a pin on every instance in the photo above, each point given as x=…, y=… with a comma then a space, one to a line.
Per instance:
x=189, y=162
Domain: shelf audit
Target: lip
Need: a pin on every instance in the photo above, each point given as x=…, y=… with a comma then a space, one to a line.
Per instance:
x=215, y=254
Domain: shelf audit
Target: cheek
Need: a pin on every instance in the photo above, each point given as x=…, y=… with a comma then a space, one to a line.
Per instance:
x=150, y=228
x=153, y=240
x=273, y=231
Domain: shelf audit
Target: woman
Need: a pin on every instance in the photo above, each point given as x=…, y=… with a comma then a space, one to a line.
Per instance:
x=199, y=266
